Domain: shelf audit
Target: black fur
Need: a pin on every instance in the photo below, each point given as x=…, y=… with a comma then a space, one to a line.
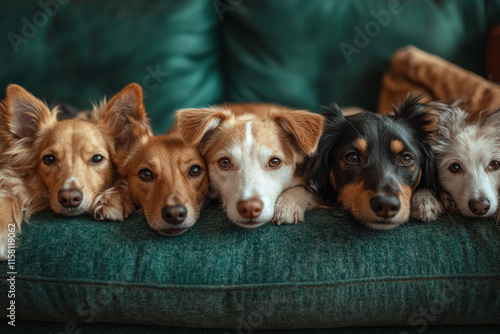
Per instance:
x=317, y=168
x=410, y=124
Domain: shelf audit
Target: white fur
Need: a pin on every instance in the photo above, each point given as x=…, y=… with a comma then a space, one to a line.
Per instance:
x=250, y=178
x=248, y=135
x=473, y=147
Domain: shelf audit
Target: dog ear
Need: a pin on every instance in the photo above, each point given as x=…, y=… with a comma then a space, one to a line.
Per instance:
x=423, y=120
x=23, y=115
x=317, y=168
x=452, y=119
x=124, y=119
x=194, y=124
x=304, y=126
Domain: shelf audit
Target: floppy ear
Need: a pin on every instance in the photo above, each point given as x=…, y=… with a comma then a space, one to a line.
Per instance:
x=23, y=115
x=194, y=124
x=304, y=126
x=124, y=119
x=317, y=168
x=423, y=121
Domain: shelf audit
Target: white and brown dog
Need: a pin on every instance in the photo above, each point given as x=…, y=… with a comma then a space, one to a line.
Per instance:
x=252, y=152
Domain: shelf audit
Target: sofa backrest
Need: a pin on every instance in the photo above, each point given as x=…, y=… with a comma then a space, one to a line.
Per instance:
x=193, y=53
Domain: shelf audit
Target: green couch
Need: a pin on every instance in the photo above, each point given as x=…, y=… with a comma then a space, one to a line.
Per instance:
x=76, y=275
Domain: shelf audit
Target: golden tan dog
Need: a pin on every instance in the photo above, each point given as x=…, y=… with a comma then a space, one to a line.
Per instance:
x=65, y=165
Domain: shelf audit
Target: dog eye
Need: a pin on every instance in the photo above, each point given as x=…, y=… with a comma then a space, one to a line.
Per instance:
x=195, y=171
x=97, y=158
x=146, y=175
x=274, y=162
x=49, y=159
x=494, y=164
x=455, y=168
x=352, y=158
x=407, y=159
x=225, y=163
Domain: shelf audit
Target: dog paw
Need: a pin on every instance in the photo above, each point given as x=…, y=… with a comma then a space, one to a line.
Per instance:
x=425, y=206
x=291, y=206
x=112, y=204
x=286, y=212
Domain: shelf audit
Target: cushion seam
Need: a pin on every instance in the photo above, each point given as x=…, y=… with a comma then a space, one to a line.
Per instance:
x=262, y=286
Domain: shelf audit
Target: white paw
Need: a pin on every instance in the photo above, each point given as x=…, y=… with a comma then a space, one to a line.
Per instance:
x=291, y=206
x=425, y=206
x=112, y=204
x=286, y=212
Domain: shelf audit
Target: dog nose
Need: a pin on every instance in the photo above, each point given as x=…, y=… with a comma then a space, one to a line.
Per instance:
x=250, y=209
x=479, y=207
x=70, y=198
x=174, y=214
x=385, y=206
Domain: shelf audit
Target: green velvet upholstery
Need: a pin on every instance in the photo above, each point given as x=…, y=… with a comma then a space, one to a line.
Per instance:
x=90, y=49
x=326, y=272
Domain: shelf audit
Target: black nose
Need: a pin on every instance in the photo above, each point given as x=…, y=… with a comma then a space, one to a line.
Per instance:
x=479, y=207
x=174, y=214
x=385, y=206
x=70, y=198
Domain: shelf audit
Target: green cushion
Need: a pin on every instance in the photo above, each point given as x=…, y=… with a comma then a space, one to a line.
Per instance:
x=90, y=49
x=307, y=54
x=327, y=272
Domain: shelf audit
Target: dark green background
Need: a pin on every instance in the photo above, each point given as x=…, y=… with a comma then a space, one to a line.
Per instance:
x=326, y=272
x=207, y=52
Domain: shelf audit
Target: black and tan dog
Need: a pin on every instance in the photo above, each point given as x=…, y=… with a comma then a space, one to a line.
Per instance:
x=372, y=164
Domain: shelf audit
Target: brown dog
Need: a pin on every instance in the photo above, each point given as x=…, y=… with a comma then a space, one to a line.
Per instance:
x=167, y=178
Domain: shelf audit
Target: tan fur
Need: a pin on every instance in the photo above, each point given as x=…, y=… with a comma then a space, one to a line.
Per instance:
x=397, y=146
x=332, y=179
x=356, y=199
x=404, y=197
x=361, y=144
x=31, y=132
x=418, y=180
x=169, y=158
